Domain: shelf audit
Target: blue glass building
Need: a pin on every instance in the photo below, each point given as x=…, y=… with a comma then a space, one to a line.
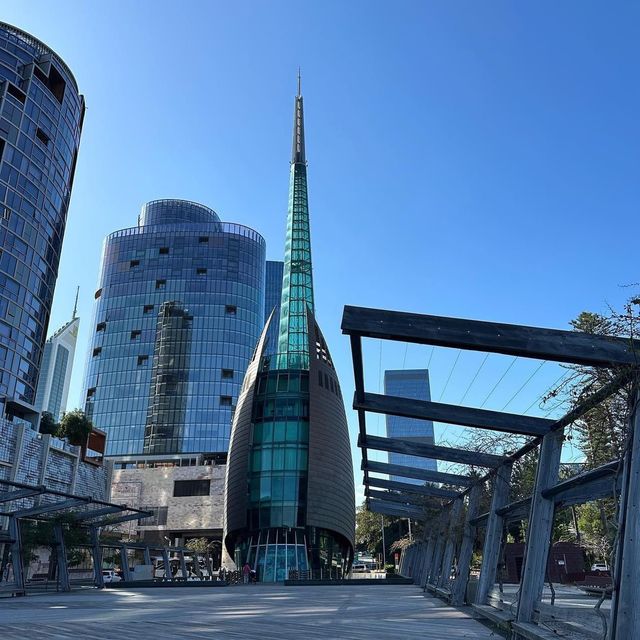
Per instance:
x=41, y=114
x=273, y=292
x=409, y=383
x=179, y=307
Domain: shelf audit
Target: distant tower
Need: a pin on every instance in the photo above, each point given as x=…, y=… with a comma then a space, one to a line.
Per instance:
x=56, y=368
x=409, y=383
x=272, y=296
x=41, y=115
x=289, y=493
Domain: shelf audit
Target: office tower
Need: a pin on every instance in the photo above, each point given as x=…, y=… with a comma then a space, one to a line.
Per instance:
x=57, y=364
x=41, y=115
x=273, y=293
x=179, y=307
x=289, y=494
x=409, y=383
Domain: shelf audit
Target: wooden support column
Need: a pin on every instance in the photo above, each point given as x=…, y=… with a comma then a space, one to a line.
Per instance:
x=493, y=534
x=96, y=554
x=167, y=564
x=459, y=587
x=124, y=563
x=61, y=553
x=438, y=552
x=625, y=612
x=16, y=554
x=183, y=565
x=451, y=543
x=540, y=527
x=209, y=564
x=430, y=548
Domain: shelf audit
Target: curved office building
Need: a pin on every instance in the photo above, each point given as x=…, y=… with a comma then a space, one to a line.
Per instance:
x=41, y=115
x=289, y=493
x=179, y=307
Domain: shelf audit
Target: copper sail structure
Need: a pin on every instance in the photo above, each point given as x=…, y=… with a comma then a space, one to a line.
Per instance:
x=289, y=494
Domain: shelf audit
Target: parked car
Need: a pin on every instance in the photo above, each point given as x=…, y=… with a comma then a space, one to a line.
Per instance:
x=599, y=566
x=108, y=575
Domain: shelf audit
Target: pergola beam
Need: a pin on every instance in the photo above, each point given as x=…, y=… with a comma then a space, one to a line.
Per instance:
x=397, y=511
x=396, y=498
x=9, y=496
x=50, y=508
x=416, y=489
x=432, y=451
x=516, y=340
x=414, y=472
x=126, y=518
x=88, y=515
x=453, y=414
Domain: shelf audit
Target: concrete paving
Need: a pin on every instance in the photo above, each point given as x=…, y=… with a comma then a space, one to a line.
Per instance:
x=269, y=612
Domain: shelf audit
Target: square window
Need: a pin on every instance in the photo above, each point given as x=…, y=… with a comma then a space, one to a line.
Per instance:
x=227, y=374
x=135, y=333
x=225, y=401
x=42, y=136
x=230, y=309
x=148, y=308
x=161, y=284
x=97, y=351
x=101, y=326
x=201, y=271
x=133, y=263
x=91, y=392
x=203, y=239
x=142, y=360
x=163, y=251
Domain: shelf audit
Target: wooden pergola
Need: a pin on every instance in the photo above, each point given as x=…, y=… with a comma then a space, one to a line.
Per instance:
x=451, y=536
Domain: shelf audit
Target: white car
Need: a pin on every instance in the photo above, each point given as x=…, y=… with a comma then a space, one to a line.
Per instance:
x=600, y=566
x=108, y=575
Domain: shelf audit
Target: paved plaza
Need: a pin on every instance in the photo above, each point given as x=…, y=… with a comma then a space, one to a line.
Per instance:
x=251, y=611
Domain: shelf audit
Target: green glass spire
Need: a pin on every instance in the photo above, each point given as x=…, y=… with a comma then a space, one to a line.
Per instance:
x=297, y=281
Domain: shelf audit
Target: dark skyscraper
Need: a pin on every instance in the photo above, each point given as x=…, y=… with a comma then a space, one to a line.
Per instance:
x=289, y=495
x=409, y=383
x=272, y=295
x=41, y=115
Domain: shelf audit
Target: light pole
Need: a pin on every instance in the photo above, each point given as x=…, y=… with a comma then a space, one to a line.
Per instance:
x=410, y=536
x=384, y=553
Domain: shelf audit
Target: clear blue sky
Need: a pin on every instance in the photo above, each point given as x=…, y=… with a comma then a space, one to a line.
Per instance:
x=466, y=159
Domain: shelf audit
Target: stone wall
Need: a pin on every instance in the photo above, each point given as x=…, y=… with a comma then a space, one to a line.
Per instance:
x=153, y=488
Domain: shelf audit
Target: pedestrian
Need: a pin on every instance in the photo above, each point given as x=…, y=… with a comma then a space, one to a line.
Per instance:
x=246, y=570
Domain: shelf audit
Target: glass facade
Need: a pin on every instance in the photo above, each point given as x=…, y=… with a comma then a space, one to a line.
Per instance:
x=409, y=383
x=55, y=371
x=179, y=307
x=41, y=114
x=272, y=296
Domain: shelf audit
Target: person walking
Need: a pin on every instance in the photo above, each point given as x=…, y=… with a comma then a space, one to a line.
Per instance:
x=246, y=570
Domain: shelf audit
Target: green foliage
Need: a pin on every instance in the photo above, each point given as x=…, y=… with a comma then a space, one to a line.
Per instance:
x=75, y=427
x=199, y=545
x=390, y=568
x=369, y=531
x=48, y=425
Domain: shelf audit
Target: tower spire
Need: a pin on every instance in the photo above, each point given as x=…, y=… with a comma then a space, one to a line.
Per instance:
x=75, y=306
x=297, y=281
x=299, y=84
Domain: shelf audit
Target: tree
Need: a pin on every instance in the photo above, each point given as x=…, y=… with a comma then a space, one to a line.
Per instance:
x=198, y=545
x=75, y=427
x=48, y=425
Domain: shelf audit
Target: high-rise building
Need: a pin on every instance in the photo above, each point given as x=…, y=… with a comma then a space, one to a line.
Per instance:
x=57, y=364
x=41, y=114
x=289, y=493
x=179, y=307
x=273, y=293
x=409, y=383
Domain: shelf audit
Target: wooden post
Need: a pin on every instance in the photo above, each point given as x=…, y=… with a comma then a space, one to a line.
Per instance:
x=183, y=565
x=493, y=534
x=625, y=612
x=540, y=527
x=459, y=587
x=430, y=549
x=16, y=554
x=451, y=543
x=124, y=563
x=438, y=552
x=147, y=555
x=61, y=553
x=167, y=564
x=96, y=553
